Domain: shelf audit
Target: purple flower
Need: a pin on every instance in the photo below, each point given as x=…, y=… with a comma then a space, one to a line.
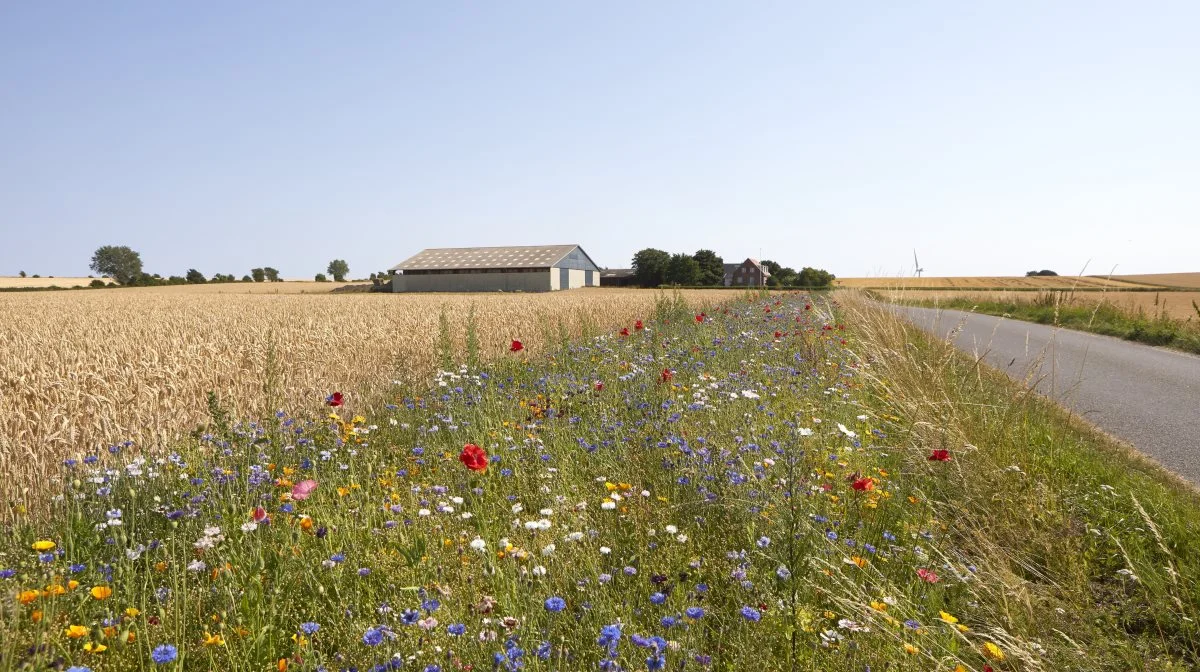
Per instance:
x=555, y=604
x=750, y=614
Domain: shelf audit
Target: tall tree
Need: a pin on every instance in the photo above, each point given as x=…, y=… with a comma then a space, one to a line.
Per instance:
x=650, y=267
x=683, y=270
x=117, y=262
x=195, y=277
x=272, y=274
x=258, y=274
x=338, y=268
x=712, y=267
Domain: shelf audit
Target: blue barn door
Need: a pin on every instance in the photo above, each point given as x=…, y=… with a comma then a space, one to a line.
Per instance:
x=564, y=278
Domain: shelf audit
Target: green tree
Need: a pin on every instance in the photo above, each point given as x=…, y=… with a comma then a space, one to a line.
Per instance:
x=712, y=267
x=117, y=262
x=22, y=274
x=650, y=267
x=813, y=277
x=258, y=274
x=338, y=268
x=195, y=277
x=272, y=274
x=320, y=277
x=683, y=270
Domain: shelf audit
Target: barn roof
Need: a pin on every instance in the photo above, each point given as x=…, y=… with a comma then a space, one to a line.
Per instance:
x=473, y=258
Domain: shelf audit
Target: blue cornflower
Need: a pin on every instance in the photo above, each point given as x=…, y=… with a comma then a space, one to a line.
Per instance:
x=287, y=507
x=764, y=542
x=610, y=635
x=630, y=571
x=363, y=571
x=164, y=653
x=831, y=535
x=338, y=557
x=310, y=628
x=543, y=651
x=430, y=605
x=667, y=621
x=79, y=668
x=555, y=604
x=604, y=578
x=911, y=624
x=433, y=668
x=77, y=567
x=7, y=573
x=373, y=637
x=655, y=663
x=456, y=629
x=46, y=557
x=750, y=614
x=658, y=598
x=783, y=573
x=694, y=613
x=889, y=536
x=701, y=587
x=410, y=617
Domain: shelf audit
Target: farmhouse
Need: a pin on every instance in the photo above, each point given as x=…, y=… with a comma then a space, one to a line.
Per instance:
x=749, y=273
x=525, y=268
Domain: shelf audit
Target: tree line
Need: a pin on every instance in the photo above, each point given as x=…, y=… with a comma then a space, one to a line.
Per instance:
x=124, y=265
x=705, y=268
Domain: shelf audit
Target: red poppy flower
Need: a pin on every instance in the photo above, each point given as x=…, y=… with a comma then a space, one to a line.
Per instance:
x=334, y=399
x=516, y=346
x=303, y=489
x=939, y=456
x=260, y=514
x=473, y=457
x=638, y=326
x=928, y=576
x=863, y=484
x=778, y=334
x=625, y=331
x=667, y=375
x=599, y=386
x=808, y=306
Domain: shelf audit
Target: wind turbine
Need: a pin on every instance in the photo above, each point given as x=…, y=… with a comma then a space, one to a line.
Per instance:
x=917, y=264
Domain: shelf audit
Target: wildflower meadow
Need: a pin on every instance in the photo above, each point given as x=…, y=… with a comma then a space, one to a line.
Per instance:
x=726, y=489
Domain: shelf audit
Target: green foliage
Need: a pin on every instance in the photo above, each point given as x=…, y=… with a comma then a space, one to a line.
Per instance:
x=712, y=268
x=258, y=274
x=813, y=277
x=22, y=274
x=117, y=262
x=195, y=277
x=338, y=268
x=683, y=270
x=97, y=283
x=1031, y=274
x=650, y=267
x=320, y=277
x=272, y=274
x=246, y=278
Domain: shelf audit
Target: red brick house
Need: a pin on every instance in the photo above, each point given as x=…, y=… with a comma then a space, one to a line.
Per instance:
x=749, y=273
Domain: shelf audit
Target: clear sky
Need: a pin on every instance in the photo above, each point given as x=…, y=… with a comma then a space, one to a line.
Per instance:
x=993, y=137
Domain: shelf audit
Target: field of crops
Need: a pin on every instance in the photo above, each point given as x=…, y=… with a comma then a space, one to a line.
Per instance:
x=13, y=282
x=1187, y=280
x=1178, y=305
x=982, y=283
x=80, y=370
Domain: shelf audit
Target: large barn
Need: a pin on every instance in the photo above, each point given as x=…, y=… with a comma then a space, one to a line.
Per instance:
x=525, y=268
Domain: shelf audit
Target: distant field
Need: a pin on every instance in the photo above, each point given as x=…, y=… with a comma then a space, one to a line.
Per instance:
x=1164, y=279
x=8, y=282
x=1172, y=304
x=985, y=282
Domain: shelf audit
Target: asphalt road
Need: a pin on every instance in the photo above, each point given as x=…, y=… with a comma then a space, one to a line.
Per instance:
x=1147, y=396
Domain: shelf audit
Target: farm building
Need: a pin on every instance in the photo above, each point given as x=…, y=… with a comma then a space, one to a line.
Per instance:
x=526, y=268
x=618, y=277
x=749, y=273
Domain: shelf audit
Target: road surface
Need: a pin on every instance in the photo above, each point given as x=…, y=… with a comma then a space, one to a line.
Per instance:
x=1147, y=396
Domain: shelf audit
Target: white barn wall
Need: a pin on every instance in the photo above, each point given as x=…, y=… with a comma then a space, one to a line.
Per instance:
x=540, y=281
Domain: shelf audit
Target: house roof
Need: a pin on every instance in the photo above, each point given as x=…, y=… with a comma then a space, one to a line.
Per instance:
x=514, y=256
x=617, y=272
x=731, y=268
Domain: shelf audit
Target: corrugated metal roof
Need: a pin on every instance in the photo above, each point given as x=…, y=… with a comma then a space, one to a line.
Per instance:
x=517, y=256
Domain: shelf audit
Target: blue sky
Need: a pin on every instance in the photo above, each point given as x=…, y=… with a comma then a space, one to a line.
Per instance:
x=993, y=137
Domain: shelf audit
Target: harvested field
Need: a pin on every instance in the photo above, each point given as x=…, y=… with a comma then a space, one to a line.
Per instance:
x=1188, y=280
x=983, y=283
x=82, y=369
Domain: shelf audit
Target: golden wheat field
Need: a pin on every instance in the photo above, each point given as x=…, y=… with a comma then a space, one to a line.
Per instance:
x=983, y=282
x=1188, y=280
x=1172, y=304
x=79, y=370
x=14, y=282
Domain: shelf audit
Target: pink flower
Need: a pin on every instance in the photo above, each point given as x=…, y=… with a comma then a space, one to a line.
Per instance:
x=303, y=489
x=927, y=575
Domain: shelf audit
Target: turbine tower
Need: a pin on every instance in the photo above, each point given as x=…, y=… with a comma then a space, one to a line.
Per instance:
x=917, y=264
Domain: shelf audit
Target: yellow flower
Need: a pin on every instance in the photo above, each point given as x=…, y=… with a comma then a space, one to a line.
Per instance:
x=911, y=650
x=213, y=640
x=27, y=596
x=132, y=612
x=55, y=589
x=947, y=618
x=75, y=631
x=95, y=647
x=160, y=566
x=43, y=545
x=879, y=606
x=962, y=628
x=993, y=652
x=861, y=562
x=101, y=592
x=36, y=616
x=72, y=584
x=342, y=492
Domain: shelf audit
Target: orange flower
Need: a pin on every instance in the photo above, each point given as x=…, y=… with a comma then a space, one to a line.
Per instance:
x=281, y=665
x=72, y=584
x=27, y=596
x=101, y=592
x=75, y=631
x=36, y=616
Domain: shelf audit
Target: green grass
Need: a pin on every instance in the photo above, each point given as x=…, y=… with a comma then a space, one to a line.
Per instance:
x=1104, y=318
x=713, y=467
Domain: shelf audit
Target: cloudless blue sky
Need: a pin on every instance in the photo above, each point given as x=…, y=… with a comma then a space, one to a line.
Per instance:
x=993, y=137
